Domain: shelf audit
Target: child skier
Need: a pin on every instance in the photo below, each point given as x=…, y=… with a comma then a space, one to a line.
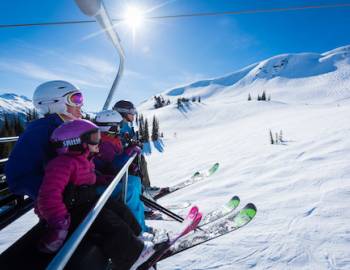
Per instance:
x=112, y=158
x=71, y=175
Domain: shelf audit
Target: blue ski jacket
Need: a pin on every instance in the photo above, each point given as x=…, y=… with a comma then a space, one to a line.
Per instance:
x=126, y=128
x=25, y=168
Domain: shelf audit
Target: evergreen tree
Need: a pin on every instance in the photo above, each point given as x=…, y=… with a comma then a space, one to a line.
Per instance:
x=141, y=127
x=9, y=130
x=276, y=135
x=269, y=98
x=146, y=132
x=31, y=115
x=249, y=97
x=199, y=99
x=18, y=126
x=259, y=98
x=263, y=97
x=6, y=122
x=155, y=129
x=5, y=147
x=141, y=132
x=281, y=136
x=271, y=138
x=193, y=99
x=178, y=103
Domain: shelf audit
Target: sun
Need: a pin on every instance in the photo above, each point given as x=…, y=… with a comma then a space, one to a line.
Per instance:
x=134, y=17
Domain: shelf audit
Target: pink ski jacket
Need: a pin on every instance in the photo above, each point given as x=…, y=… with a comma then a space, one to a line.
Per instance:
x=64, y=169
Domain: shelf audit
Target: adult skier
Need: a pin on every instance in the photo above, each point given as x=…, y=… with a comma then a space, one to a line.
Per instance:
x=128, y=111
x=58, y=101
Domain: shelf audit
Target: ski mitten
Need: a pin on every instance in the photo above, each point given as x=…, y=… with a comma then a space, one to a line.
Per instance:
x=134, y=149
x=56, y=233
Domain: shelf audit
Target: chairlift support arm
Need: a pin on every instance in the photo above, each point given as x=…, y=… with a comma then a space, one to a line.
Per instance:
x=96, y=8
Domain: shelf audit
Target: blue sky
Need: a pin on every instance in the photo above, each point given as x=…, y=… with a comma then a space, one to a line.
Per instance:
x=165, y=53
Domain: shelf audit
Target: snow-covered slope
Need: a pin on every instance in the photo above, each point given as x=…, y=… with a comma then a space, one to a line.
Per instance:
x=301, y=187
x=298, y=78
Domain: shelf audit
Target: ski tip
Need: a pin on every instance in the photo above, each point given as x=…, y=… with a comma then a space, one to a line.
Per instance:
x=233, y=202
x=198, y=218
x=251, y=206
x=250, y=210
x=193, y=212
x=235, y=198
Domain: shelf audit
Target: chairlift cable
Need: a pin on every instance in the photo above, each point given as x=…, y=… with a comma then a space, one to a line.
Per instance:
x=205, y=14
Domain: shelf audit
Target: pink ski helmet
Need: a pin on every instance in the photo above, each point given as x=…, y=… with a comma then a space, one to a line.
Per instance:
x=74, y=134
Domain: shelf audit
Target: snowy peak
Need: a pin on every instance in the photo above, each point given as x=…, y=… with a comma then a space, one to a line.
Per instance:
x=226, y=80
x=343, y=51
x=13, y=103
x=298, y=78
x=12, y=96
x=302, y=65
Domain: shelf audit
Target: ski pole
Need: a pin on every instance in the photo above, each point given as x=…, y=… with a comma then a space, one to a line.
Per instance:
x=160, y=208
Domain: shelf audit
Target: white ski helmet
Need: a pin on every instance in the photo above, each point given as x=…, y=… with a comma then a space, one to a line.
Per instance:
x=108, y=120
x=54, y=96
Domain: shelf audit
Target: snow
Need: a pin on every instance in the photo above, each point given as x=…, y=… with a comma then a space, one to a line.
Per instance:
x=13, y=103
x=301, y=187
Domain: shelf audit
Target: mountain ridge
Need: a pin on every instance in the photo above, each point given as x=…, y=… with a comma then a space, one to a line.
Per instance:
x=320, y=71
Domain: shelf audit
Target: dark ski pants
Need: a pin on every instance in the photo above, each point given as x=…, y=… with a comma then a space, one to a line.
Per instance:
x=144, y=172
x=116, y=230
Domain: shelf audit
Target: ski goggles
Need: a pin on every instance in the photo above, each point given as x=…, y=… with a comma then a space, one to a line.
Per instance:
x=128, y=111
x=74, y=99
x=113, y=127
x=93, y=137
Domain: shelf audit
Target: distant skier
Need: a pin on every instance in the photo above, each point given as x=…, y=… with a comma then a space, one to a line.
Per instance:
x=68, y=193
x=128, y=111
x=112, y=158
x=59, y=101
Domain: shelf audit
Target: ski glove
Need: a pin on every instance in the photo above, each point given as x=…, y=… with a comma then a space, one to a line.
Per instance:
x=133, y=149
x=56, y=233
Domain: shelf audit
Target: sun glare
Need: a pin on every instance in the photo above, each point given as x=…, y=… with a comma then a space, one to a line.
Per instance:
x=134, y=17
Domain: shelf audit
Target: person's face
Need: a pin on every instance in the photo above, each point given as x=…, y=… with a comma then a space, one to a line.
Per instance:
x=93, y=148
x=130, y=117
x=75, y=111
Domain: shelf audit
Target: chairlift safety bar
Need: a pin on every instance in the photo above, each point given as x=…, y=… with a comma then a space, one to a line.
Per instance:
x=8, y=139
x=74, y=240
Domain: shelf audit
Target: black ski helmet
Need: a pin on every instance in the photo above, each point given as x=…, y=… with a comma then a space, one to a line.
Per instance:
x=124, y=107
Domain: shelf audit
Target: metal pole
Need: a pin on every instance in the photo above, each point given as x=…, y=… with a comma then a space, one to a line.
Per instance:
x=8, y=139
x=125, y=187
x=96, y=8
x=74, y=240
